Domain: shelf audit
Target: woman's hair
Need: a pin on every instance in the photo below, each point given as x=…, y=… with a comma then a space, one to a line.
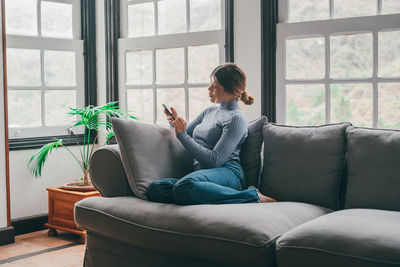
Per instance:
x=233, y=79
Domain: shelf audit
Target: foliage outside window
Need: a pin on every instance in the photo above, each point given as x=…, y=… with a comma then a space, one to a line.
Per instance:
x=339, y=60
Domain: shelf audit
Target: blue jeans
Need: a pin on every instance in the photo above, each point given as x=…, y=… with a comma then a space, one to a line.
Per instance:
x=209, y=186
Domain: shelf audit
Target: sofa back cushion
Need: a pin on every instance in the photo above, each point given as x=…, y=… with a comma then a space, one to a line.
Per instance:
x=373, y=169
x=304, y=163
x=250, y=157
x=149, y=153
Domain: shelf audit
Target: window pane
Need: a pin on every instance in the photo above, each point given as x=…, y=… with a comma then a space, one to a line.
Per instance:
x=205, y=15
x=140, y=104
x=141, y=19
x=351, y=56
x=202, y=60
x=59, y=68
x=304, y=10
x=389, y=105
x=21, y=17
x=305, y=104
x=390, y=6
x=389, y=54
x=24, y=108
x=198, y=101
x=354, y=8
x=56, y=19
x=57, y=104
x=171, y=16
x=23, y=67
x=352, y=103
x=305, y=58
x=170, y=66
x=139, y=67
x=171, y=97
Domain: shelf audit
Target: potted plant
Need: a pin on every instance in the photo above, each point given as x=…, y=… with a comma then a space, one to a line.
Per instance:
x=94, y=119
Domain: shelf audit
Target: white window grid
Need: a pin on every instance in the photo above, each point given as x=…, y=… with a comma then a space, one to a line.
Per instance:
x=43, y=44
x=326, y=28
x=155, y=42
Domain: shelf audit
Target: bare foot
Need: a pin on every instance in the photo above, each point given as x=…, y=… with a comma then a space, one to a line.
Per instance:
x=265, y=199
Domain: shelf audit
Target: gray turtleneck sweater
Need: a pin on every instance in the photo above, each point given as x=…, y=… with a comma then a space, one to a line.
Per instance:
x=216, y=135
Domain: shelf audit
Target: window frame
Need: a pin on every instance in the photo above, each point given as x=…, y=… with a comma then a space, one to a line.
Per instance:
x=326, y=28
x=87, y=48
x=225, y=41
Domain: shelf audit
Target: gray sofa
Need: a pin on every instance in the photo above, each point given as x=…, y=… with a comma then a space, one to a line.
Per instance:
x=338, y=189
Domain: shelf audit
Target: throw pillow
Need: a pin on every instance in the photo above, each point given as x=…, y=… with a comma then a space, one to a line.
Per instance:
x=304, y=164
x=373, y=169
x=149, y=153
x=250, y=157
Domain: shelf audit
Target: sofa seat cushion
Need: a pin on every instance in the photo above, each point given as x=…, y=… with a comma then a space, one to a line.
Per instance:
x=230, y=234
x=354, y=237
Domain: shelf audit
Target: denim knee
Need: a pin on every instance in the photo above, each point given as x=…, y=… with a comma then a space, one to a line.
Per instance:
x=181, y=192
x=153, y=191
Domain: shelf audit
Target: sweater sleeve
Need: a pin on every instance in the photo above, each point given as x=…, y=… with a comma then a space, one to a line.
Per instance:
x=232, y=132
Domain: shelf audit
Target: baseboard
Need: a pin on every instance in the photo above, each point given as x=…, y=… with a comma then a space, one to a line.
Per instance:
x=7, y=235
x=29, y=224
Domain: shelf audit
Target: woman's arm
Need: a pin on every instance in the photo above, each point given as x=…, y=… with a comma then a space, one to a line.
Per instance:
x=232, y=132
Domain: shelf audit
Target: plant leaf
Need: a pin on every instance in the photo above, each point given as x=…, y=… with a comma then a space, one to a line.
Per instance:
x=36, y=162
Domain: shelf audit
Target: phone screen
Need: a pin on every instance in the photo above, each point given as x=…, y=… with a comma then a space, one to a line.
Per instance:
x=169, y=112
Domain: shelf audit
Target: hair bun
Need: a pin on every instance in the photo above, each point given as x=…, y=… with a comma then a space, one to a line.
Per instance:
x=246, y=98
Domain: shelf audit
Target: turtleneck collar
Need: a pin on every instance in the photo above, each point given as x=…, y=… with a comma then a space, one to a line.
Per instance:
x=233, y=104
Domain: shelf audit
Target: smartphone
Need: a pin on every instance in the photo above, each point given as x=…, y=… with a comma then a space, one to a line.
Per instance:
x=169, y=112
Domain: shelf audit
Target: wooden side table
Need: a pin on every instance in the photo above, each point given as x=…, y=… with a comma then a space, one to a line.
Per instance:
x=61, y=210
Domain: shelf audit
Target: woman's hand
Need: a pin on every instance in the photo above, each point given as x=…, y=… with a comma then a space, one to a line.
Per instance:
x=179, y=124
x=169, y=117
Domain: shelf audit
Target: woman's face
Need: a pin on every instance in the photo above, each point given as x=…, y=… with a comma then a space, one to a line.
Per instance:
x=217, y=92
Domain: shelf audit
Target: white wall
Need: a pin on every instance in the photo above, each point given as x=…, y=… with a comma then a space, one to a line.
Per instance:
x=29, y=194
x=3, y=192
x=247, y=43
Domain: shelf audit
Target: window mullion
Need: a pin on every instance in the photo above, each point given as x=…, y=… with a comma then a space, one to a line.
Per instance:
x=375, y=79
x=154, y=87
x=331, y=9
x=39, y=16
x=379, y=9
x=42, y=93
x=155, y=17
x=185, y=86
x=188, y=28
x=326, y=82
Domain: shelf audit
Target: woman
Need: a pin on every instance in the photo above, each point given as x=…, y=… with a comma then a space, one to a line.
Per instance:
x=214, y=139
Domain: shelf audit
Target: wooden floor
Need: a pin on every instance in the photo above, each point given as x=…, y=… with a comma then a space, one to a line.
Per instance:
x=38, y=249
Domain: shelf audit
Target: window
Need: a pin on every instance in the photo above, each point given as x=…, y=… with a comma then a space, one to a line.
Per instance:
x=45, y=68
x=338, y=60
x=166, y=54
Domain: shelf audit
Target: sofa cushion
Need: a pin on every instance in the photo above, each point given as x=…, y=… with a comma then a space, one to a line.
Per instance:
x=250, y=157
x=373, y=171
x=217, y=233
x=346, y=238
x=148, y=153
x=304, y=163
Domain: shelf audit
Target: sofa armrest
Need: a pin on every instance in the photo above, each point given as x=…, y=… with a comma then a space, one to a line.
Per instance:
x=107, y=173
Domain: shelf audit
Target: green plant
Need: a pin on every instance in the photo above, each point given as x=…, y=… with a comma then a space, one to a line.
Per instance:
x=95, y=120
